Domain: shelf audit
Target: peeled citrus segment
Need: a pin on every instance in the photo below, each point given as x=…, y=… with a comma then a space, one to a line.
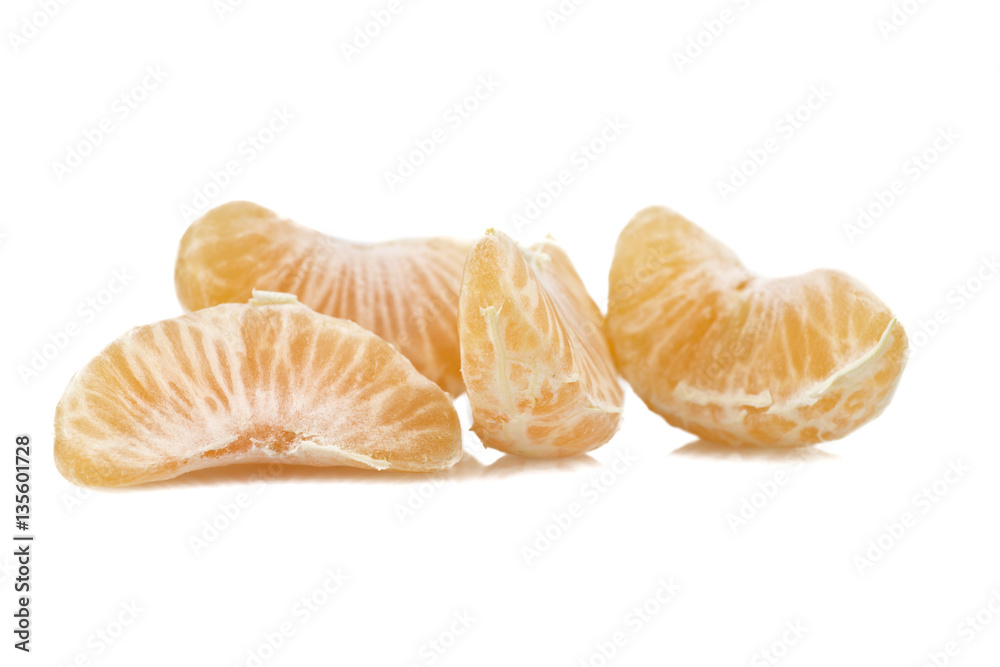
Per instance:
x=536, y=363
x=740, y=359
x=269, y=381
x=405, y=291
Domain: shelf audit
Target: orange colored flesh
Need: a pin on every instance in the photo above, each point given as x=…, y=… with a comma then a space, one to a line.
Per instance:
x=536, y=363
x=405, y=291
x=249, y=384
x=739, y=359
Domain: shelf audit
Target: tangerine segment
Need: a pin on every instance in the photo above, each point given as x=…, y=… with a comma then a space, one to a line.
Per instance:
x=269, y=381
x=405, y=291
x=536, y=363
x=740, y=359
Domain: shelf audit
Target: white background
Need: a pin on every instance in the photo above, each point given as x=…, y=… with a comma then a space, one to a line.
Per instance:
x=669, y=514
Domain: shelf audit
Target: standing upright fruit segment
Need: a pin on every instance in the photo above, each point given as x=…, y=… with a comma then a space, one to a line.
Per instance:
x=272, y=381
x=740, y=359
x=405, y=291
x=536, y=363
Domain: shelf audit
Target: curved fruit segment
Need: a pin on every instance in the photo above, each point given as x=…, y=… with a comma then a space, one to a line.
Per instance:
x=269, y=381
x=536, y=364
x=405, y=291
x=740, y=359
